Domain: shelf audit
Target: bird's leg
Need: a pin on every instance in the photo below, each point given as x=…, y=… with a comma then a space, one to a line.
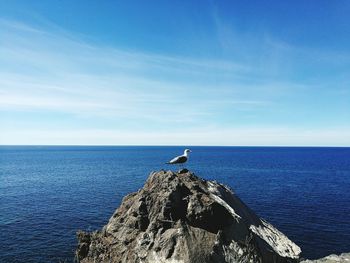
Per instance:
x=179, y=166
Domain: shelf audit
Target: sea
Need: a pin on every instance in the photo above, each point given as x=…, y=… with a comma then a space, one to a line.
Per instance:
x=48, y=193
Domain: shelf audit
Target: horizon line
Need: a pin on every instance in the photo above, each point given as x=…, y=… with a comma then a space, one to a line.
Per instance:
x=164, y=145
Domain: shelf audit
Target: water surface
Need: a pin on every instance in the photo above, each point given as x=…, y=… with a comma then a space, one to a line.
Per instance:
x=48, y=193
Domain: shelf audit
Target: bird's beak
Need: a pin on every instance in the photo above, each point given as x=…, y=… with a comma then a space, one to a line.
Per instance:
x=190, y=151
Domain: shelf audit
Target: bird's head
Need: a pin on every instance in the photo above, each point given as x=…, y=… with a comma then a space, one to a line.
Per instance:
x=187, y=151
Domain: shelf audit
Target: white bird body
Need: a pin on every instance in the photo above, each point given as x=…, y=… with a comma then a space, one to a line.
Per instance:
x=180, y=159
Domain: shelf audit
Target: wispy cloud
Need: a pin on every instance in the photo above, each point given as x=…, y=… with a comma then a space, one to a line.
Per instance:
x=45, y=71
x=233, y=136
x=153, y=98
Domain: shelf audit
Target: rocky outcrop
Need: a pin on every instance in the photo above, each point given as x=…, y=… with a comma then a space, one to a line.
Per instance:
x=181, y=218
x=345, y=257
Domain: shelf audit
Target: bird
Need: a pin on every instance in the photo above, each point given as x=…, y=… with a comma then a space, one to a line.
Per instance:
x=180, y=159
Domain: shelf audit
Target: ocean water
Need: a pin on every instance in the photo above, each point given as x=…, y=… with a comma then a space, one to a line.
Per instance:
x=48, y=193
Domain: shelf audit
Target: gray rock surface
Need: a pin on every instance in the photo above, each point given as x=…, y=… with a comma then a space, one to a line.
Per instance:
x=343, y=258
x=181, y=218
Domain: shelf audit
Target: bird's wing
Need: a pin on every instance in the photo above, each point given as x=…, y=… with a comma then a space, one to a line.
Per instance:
x=178, y=159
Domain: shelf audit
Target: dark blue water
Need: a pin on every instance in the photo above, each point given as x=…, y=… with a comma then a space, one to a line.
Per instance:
x=48, y=193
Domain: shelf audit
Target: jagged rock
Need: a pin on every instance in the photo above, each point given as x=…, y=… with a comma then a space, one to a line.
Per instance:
x=345, y=257
x=178, y=217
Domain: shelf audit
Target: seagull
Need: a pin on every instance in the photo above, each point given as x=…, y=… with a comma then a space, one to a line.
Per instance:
x=180, y=159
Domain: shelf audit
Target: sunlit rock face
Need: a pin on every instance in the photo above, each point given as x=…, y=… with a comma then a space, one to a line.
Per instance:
x=179, y=217
x=342, y=258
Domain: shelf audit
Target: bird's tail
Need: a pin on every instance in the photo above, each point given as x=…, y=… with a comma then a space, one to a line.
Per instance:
x=168, y=163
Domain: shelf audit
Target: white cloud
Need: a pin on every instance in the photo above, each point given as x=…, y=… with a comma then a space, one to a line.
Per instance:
x=44, y=71
x=166, y=98
x=210, y=136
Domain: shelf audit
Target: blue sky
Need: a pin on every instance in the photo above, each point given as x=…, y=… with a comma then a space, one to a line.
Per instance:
x=175, y=72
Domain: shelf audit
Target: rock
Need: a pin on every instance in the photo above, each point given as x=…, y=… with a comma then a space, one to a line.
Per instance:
x=84, y=240
x=345, y=257
x=178, y=217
